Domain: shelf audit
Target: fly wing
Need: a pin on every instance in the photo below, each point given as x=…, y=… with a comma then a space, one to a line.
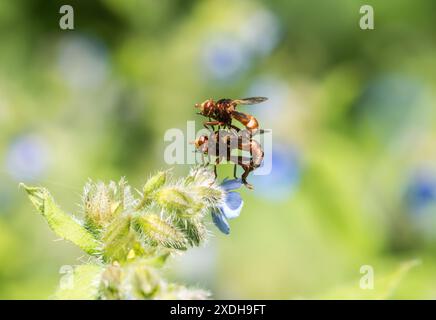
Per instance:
x=252, y=100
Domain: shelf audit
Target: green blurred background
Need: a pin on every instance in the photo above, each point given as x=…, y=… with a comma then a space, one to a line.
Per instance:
x=353, y=114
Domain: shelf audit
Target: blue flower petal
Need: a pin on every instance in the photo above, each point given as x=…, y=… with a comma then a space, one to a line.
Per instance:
x=233, y=184
x=233, y=200
x=232, y=206
x=220, y=221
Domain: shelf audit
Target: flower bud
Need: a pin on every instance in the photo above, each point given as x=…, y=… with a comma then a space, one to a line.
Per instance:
x=150, y=187
x=154, y=183
x=99, y=204
x=174, y=199
x=158, y=232
x=211, y=195
x=194, y=230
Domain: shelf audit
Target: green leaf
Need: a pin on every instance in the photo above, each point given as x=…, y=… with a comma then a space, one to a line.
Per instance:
x=82, y=284
x=61, y=223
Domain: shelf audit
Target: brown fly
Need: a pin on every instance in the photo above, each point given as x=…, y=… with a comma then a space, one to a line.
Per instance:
x=220, y=145
x=223, y=111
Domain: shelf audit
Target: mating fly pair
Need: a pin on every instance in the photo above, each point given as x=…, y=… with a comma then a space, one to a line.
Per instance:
x=220, y=143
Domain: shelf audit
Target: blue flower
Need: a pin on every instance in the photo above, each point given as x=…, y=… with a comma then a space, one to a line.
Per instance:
x=224, y=57
x=421, y=192
x=27, y=158
x=232, y=206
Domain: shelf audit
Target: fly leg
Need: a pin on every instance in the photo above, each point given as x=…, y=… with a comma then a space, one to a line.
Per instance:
x=232, y=142
x=213, y=127
x=217, y=162
x=234, y=127
x=246, y=165
x=247, y=170
x=211, y=124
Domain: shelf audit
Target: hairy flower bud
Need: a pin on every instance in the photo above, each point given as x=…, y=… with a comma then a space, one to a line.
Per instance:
x=158, y=232
x=154, y=183
x=194, y=230
x=98, y=205
x=151, y=186
x=177, y=200
x=102, y=203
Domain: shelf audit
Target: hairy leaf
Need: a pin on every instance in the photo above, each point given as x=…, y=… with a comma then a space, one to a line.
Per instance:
x=60, y=222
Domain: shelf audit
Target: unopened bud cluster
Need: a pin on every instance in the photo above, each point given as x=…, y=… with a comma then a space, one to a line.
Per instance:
x=130, y=233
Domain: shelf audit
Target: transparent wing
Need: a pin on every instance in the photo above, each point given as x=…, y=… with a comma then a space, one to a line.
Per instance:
x=252, y=100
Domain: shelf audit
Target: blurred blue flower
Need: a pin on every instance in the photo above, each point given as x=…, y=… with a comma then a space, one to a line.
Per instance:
x=224, y=57
x=232, y=206
x=27, y=158
x=421, y=191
